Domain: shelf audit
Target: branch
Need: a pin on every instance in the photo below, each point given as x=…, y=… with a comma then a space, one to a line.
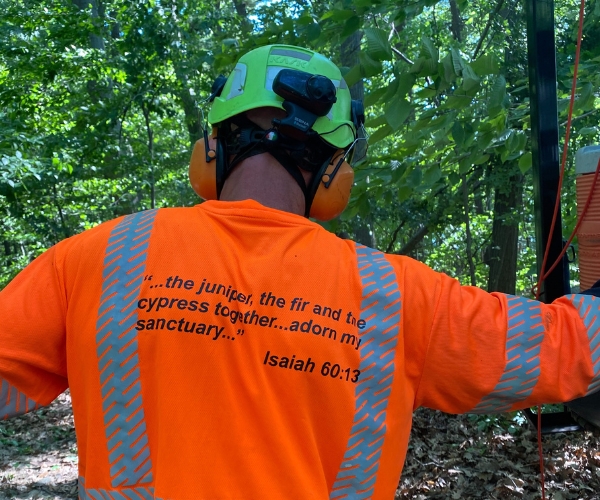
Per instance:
x=487, y=28
x=406, y=59
x=242, y=11
x=402, y=56
x=414, y=241
x=584, y=115
x=468, y=231
x=63, y=223
x=433, y=221
x=146, y=112
x=394, y=236
x=457, y=23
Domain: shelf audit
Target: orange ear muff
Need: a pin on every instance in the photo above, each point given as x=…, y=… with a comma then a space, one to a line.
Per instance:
x=334, y=189
x=203, y=173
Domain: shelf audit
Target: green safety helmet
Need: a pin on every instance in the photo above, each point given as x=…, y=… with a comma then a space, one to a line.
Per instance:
x=250, y=86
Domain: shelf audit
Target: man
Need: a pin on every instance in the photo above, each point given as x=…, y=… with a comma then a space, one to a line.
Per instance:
x=237, y=350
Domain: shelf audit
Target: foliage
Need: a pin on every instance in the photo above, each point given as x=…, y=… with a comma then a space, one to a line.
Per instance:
x=101, y=103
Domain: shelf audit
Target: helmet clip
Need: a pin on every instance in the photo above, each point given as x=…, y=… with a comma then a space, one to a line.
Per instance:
x=217, y=87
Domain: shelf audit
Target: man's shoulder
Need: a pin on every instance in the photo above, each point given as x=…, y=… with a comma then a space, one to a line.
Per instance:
x=97, y=237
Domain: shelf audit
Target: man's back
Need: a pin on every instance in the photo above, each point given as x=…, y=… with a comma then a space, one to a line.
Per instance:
x=205, y=347
x=232, y=351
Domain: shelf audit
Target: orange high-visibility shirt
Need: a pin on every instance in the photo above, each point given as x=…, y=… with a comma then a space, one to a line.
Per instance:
x=232, y=351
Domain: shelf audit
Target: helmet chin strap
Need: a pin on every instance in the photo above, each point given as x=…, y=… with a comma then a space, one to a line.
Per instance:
x=250, y=140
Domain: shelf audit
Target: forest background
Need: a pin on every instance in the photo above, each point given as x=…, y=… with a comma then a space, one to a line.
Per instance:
x=101, y=102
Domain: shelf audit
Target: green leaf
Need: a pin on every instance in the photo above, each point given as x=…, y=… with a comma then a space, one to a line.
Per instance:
x=458, y=134
x=305, y=19
x=406, y=82
x=364, y=205
x=351, y=211
x=422, y=123
x=373, y=97
x=458, y=100
x=397, y=112
x=417, y=65
x=351, y=25
x=404, y=193
x=398, y=172
x=430, y=68
x=369, y=66
x=480, y=160
x=464, y=165
x=457, y=61
x=376, y=122
x=497, y=95
x=522, y=140
x=424, y=67
x=415, y=177
x=313, y=31
x=429, y=49
x=525, y=162
x=378, y=46
x=585, y=100
x=426, y=92
x=354, y=75
x=338, y=14
x=588, y=130
x=512, y=142
x=392, y=90
x=449, y=73
x=487, y=64
x=380, y=133
x=432, y=175
x=453, y=178
x=470, y=78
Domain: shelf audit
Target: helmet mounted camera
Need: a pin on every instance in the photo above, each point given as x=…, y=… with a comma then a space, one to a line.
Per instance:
x=306, y=97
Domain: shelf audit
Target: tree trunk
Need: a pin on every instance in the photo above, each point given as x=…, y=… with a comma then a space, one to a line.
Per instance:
x=350, y=50
x=469, y=242
x=96, y=41
x=502, y=253
x=457, y=23
x=242, y=11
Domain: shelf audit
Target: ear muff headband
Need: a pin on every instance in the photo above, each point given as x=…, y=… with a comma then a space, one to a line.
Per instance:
x=203, y=167
x=329, y=191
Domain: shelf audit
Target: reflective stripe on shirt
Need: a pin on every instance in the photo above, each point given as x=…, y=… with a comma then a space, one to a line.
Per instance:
x=142, y=492
x=117, y=348
x=380, y=307
x=588, y=306
x=523, y=345
x=13, y=402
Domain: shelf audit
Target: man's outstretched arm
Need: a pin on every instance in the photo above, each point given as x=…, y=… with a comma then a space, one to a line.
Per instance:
x=32, y=338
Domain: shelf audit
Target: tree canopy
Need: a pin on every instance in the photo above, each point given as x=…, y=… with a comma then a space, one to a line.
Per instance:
x=101, y=102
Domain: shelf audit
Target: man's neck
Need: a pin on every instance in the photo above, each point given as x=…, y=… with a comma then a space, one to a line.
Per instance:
x=263, y=179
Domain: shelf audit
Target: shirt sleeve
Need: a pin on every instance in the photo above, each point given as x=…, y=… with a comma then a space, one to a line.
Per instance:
x=32, y=338
x=492, y=352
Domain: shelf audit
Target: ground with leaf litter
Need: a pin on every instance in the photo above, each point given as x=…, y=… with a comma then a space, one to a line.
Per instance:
x=450, y=457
